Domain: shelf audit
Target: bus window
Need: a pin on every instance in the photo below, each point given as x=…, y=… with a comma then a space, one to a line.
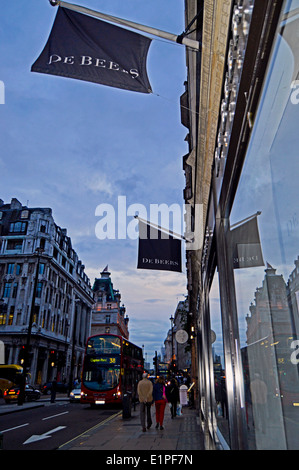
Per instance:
x=100, y=377
x=103, y=345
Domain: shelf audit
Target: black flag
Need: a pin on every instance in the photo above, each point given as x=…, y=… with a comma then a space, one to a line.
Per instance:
x=89, y=49
x=246, y=245
x=158, y=250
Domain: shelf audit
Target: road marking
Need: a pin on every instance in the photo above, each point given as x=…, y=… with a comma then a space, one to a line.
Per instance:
x=16, y=427
x=46, y=435
x=92, y=429
x=54, y=416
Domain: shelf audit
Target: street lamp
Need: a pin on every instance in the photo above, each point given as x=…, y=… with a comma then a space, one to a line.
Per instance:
x=71, y=377
x=171, y=321
x=21, y=397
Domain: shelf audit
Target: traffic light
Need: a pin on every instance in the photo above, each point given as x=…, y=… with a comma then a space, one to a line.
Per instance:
x=52, y=358
x=22, y=355
x=155, y=361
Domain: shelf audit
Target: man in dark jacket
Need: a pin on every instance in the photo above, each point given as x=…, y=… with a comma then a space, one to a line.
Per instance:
x=172, y=394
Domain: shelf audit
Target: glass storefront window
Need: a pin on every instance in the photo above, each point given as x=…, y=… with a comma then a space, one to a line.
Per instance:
x=266, y=251
x=221, y=409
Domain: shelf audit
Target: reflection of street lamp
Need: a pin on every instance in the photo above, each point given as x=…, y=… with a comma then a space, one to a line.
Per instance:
x=21, y=397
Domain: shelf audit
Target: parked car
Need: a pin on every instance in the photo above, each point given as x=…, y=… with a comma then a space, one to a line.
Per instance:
x=60, y=387
x=12, y=394
x=75, y=394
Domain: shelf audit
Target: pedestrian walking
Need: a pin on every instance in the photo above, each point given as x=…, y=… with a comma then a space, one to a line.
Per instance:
x=145, y=394
x=173, y=397
x=53, y=390
x=160, y=400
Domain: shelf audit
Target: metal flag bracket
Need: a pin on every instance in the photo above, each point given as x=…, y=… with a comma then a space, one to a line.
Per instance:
x=179, y=39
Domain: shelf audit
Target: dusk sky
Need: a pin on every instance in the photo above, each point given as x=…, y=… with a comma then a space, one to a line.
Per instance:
x=72, y=145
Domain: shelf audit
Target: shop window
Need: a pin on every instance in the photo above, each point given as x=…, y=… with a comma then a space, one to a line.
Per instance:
x=220, y=395
x=267, y=281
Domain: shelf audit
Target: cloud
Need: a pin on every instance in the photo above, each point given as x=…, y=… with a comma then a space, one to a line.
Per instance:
x=98, y=184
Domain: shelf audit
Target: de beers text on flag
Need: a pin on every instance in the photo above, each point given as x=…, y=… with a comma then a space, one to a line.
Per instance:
x=89, y=49
x=158, y=250
x=246, y=245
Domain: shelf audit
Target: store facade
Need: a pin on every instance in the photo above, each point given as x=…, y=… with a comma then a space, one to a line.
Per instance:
x=248, y=299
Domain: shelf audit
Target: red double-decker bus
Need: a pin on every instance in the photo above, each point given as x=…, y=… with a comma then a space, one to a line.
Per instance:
x=111, y=370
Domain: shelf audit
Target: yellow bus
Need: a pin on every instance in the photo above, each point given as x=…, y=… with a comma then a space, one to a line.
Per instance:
x=10, y=376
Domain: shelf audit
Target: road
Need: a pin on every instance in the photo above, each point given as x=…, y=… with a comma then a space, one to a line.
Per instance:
x=50, y=426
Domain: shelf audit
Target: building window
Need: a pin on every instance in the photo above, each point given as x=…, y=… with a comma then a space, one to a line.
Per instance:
x=10, y=268
x=41, y=268
x=18, y=227
x=7, y=288
x=108, y=318
x=44, y=226
x=11, y=315
x=39, y=288
x=19, y=269
x=24, y=214
x=15, y=290
x=14, y=244
x=2, y=318
x=36, y=315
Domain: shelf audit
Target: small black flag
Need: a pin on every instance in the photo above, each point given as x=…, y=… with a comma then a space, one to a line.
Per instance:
x=89, y=49
x=158, y=250
x=246, y=245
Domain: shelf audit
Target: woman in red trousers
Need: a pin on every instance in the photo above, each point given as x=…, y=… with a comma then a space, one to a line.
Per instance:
x=160, y=401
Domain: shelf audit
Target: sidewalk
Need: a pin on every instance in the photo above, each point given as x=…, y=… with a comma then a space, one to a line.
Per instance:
x=116, y=433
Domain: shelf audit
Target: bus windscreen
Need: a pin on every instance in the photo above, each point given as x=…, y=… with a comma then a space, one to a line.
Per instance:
x=102, y=363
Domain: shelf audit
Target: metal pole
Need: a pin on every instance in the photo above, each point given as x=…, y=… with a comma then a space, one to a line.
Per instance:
x=147, y=29
x=21, y=397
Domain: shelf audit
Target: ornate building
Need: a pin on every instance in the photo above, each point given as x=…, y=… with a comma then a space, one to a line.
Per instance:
x=44, y=294
x=108, y=315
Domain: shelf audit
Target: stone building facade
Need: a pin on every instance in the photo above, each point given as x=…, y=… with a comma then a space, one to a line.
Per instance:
x=60, y=307
x=108, y=315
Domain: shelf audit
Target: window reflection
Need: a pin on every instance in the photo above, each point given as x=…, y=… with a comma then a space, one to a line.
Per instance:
x=268, y=296
x=221, y=408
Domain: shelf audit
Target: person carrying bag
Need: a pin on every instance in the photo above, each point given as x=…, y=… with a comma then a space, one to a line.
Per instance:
x=160, y=400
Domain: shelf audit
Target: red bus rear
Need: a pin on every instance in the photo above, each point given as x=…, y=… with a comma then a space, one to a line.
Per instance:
x=112, y=368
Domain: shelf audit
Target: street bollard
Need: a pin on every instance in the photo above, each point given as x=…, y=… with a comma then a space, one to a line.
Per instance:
x=127, y=406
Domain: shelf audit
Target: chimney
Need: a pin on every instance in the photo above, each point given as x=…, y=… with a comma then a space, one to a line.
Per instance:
x=15, y=204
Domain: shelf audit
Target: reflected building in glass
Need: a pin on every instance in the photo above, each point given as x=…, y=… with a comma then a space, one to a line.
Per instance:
x=243, y=167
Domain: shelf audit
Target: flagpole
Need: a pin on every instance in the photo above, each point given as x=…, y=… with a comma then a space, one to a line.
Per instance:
x=169, y=232
x=245, y=220
x=179, y=39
